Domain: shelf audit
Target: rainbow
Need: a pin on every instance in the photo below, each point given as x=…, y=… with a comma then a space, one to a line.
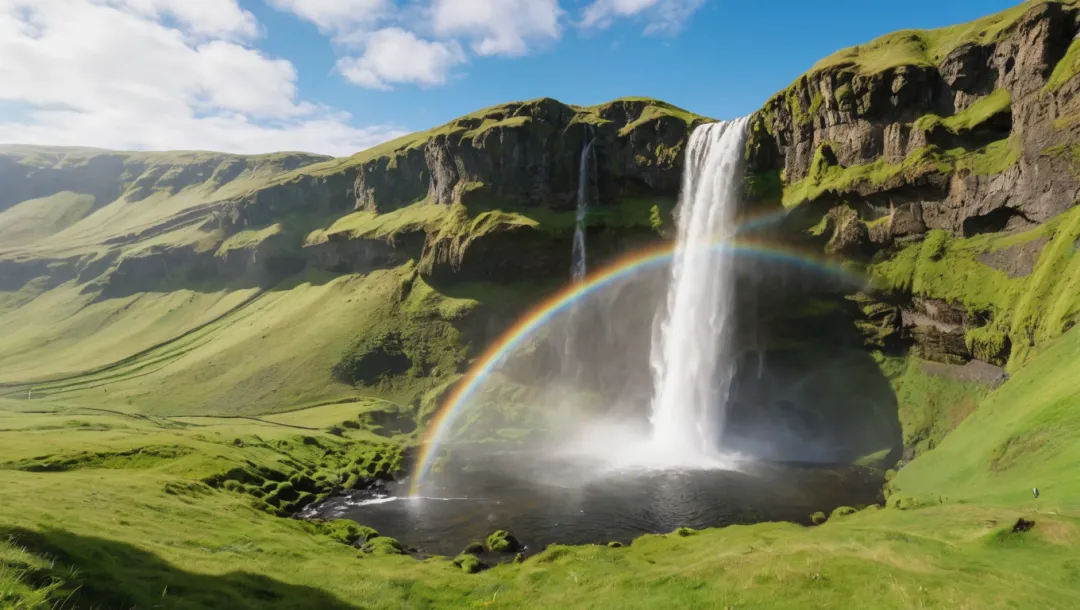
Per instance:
x=561, y=301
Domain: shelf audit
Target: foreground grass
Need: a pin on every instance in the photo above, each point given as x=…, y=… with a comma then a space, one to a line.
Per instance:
x=146, y=532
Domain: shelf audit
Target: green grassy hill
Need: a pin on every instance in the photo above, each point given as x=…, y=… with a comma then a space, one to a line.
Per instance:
x=194, y=345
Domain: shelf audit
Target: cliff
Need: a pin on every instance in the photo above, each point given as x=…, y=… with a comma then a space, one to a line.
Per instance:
x=945, y=163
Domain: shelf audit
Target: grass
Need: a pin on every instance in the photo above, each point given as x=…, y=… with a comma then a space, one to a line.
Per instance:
x=273, y=351
x=133, y=193
x=1065, y=69
x=930, y=406
x=1021, y=436
x=109, y=536
x=35, y=219
x=513, y=114
x=825, y=178
x=971, y=117
x=1028, y=310
x=924, y=47
x=248, y=239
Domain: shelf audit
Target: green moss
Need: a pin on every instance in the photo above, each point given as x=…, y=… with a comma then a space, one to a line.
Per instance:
x=683, y=532
x=1065, y=69
x=818, y=518
x=383, y=546
x=346, y=532
x=474, y=548
x=843, y=93
x=922, y=47
x=249, y=239
x=421, y=216
x=842, y=511
x=1033, y=309
x=825, y=177
x=799, y=115
x=502, y=541
x=971, y=117
x=988, y=343
x=470, y=564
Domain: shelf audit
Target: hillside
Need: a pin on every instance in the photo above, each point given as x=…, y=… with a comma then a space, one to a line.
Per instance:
x=164, y=260
x=194, y=346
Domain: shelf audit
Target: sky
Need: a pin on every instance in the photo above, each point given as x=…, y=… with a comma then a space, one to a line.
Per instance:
x=339, y=76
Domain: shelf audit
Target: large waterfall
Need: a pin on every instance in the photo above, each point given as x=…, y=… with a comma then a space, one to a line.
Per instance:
x=579, y=268
x=690, y=357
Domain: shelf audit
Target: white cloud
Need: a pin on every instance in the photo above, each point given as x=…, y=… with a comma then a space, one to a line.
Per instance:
x=222, y=18
x=499, y=27
x=155, y=74
x=338, y=15
x=664, y=16
x=394, y=55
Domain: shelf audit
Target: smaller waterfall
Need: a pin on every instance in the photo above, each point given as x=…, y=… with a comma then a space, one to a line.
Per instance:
x=579, y=266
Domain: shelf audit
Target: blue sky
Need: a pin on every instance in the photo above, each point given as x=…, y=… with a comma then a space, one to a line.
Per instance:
x=725, y=61
x=335, y=76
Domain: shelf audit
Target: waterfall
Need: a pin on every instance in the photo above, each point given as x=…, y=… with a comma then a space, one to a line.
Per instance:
x=578, y=268
x=691, y=354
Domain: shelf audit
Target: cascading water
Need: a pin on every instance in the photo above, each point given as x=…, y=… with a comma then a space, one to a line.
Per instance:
x=579, y=267
x=690, y=356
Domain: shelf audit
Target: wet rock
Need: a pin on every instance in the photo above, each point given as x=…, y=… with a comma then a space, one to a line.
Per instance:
x=503, y=541
x=842, y=511
x=1022, y=525
x=470, y=564
x=383, y=546
x=474, y=548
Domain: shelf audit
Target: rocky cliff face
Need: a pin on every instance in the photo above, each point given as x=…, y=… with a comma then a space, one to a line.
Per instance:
x=971, y=130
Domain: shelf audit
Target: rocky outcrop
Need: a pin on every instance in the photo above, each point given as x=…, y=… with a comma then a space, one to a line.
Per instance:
x=526, y=154
x=933, y=134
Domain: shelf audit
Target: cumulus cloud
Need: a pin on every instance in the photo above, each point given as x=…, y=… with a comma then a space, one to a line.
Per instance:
x=422, y=42
x=155, y=74
x=663, y=16
x=499, y=27
x=394, y=55
x=338, y=16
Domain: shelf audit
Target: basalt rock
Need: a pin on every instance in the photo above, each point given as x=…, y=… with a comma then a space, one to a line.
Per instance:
x=865, y=115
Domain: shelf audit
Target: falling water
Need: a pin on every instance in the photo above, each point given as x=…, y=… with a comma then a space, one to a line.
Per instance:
x=691, y=342
x=578, y=268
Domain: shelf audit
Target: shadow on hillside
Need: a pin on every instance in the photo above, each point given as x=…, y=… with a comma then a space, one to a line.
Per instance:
x=99, y=573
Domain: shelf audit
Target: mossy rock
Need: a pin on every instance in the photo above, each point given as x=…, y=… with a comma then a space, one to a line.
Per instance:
x=842, y=511
x=384, y=546
x=287, y=492
x=890, y=474
x=470, y=564
x=615, y=544
x=347, y=532
x=503, y=541
x=232, y=485
x=683, y=532
x=474, y=548
x=304, y=500
x=818, y=518
x=353, y=481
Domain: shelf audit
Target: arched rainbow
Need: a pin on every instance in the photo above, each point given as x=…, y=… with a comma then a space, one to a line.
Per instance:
x=561, y=301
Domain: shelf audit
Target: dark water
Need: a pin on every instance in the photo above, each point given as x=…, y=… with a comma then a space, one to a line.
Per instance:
x=615, y=506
